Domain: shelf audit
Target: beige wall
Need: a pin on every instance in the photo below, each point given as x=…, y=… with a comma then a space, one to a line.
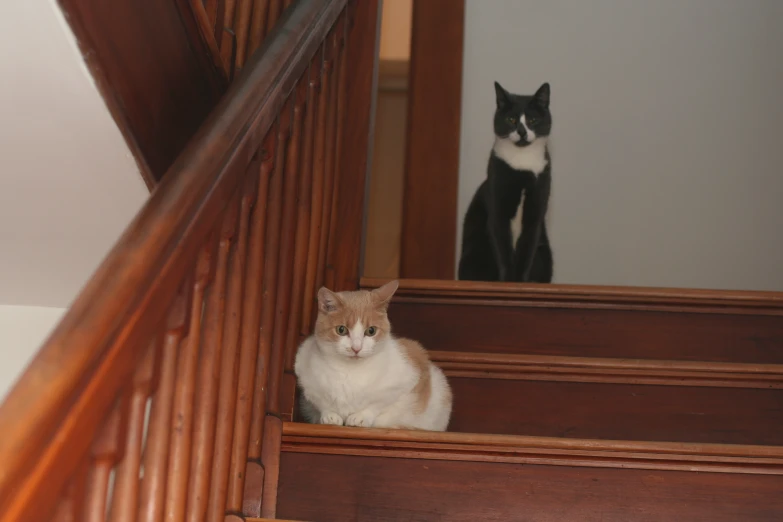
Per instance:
x=68, y=184
x=666, y=138
x=22, y=330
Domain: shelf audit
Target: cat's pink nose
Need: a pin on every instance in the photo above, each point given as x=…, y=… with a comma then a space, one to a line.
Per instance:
x=356, y=349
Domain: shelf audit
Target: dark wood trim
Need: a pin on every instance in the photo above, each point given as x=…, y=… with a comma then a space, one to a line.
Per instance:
x=681, y=456
x=53, y=413
x=429, y=224
x=154, y=71
x=609, y=370
x=584, y=296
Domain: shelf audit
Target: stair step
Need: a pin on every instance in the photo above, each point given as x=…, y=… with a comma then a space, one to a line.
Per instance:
x=601, y=324
x=337, y=473
x=602, y=398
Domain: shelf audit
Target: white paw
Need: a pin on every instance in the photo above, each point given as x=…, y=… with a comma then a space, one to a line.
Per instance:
x=331, y=418
x=361, y=419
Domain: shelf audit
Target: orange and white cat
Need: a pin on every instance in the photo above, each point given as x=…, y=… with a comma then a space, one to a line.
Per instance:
x=353, y=371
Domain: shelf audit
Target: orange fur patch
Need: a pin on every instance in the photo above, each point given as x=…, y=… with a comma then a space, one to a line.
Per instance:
x=421, y=361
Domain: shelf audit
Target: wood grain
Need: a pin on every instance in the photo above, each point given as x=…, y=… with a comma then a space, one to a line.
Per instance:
x=229, y=369
x=429, y=220
x=304, y=223
x=286, y=260
x=184, y=394
x=606, y=370
x=361, y=81
x=316, y=438
x=94, y=351
x=159, y=88
x=126, y=487
x=586, y=296
x=346, y=488
x=156, y=453
x=581, y=330
x=600, y=410
x=205, y=408
x=251, y=320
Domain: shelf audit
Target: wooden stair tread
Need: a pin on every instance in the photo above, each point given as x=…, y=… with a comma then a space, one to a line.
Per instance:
x=606, y=369
x=342, y=488
x=307, y=438
x=330, y=473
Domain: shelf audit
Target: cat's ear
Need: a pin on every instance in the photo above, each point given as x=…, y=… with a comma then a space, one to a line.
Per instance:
x=542, y=95
x=328, y=301
x=381, y=296
x=501, y=96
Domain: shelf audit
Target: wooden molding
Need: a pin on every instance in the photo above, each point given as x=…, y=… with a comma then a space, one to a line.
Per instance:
x=609, y=370
x=159, y=91
x=585, y=296
x=58, y=406
x=717, y=458
x=429, y=223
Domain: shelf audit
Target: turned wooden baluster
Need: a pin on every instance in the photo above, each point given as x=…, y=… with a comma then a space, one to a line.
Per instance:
x=71, y=506
x=182, y=414
x=209, y=373
x=251, y=318
x=107, y=450
x=254, y=471
x=126, y=488
x=326, y=209
x=275, y=8
x=277, y=296
x=288, y=241
x=152, y=494
x=243, y=14
x=322, y=84
x=258, y=25
x=342, y=68
x=230, y=357
x=227, y=35
x=303, y=227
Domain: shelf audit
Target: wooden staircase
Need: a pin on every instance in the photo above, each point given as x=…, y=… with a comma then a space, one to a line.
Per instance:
x=167, y=392
x=553, y=419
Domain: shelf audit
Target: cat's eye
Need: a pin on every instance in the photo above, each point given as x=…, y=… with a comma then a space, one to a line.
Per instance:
x=342, y=330
x=370, y=331
x=532, y=121
x=511, y=120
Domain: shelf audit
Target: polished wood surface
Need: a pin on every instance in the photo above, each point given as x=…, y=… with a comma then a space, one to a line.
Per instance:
x=429, y=220
x=154, y=71
x=600, y=410
x=351, y=488
x=607, y=370
x=582, y=330
x=169, y=311
x=164, y=392
x=586, y=296
x=360, y=79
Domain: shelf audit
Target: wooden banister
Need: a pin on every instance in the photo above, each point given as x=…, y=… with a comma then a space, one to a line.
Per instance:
x=180, y=294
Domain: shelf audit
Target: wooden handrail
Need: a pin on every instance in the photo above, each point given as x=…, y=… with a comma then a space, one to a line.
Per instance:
x=49, y=418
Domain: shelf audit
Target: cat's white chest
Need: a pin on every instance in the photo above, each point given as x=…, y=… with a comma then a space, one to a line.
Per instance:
x=350, y=387
x=531, y=158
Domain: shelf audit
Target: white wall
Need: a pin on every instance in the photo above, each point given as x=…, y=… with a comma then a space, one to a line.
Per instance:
x=22, y=330
x=68, y=183
x=667, y=133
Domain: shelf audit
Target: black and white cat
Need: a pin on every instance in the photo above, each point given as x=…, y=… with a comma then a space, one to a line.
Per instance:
x=499, y=244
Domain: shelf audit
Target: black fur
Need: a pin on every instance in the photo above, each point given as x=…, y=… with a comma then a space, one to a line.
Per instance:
x=487, y=252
